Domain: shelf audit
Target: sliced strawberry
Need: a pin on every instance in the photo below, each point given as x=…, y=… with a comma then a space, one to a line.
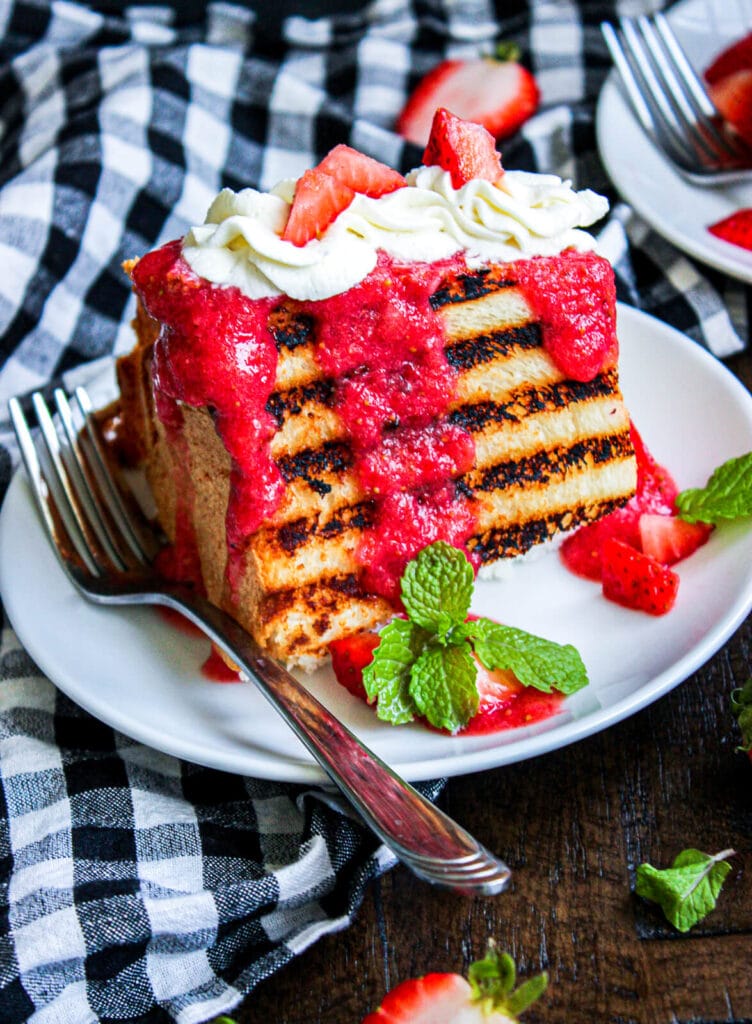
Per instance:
x=350, y=655
x=432, y=999
x=669, y=539
x=318, y=199
x=732, y=96
x=500, y=95
x=361, y=173
x=463, y=148
x=656, y=488
x=736, y=228
x=635, y=580
x=734, y=58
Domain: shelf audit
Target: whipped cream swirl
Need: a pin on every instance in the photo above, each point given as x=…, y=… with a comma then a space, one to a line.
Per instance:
x=522, y=215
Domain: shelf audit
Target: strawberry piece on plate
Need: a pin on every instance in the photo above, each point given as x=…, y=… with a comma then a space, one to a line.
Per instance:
x=361, y=173
x=318, y=200
x=734, y=58
x=463, y=148
x=635, y=580
x=498, y=94
x=736, y=228
x=350, y=655
x=732, y=95
x=669, y=539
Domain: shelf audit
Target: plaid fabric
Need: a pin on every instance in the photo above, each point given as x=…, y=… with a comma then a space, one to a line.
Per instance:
x=134, y=886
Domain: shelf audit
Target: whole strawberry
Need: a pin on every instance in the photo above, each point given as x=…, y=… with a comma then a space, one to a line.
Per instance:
x=499, y=94
x=487, y=997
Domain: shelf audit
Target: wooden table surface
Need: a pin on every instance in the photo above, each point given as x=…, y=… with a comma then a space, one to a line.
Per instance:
x=573, y=825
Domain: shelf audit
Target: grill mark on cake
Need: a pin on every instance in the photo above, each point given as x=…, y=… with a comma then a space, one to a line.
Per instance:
x=519, y=538
x=485, y=348
x=282, y=404
x=311, y=464
x=293, y=536
x=323, y=596
x=548, y=463
x=528, y=401
x=290, y=328
x=474, y=285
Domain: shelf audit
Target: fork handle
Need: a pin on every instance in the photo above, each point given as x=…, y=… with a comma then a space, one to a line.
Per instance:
x=419, y=834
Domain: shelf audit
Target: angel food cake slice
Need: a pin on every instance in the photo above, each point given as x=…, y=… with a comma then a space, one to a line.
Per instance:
x=333, y=375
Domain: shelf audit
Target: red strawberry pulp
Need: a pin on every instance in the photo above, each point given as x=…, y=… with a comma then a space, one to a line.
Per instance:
x=384, y=345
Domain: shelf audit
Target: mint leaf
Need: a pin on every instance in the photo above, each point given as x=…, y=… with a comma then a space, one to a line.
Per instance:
x=535, y=661
x=741, y=705
x=492, y=982
x=387, y=678
x=688, y=890
x=442, y=684
x=727, y=494
x=437, y=587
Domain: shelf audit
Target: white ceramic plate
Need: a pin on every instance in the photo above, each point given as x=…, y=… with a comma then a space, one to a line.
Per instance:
x=133, y=670
x=679, y=211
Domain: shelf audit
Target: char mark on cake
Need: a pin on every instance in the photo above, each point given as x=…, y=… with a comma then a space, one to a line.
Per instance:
x=312, y=464
x=293, y=536
x=282, y=404
x=472, y=285
x=529, y=401
x=550, y=463
x=290, y=328
x=519, y=538
x=485, y=348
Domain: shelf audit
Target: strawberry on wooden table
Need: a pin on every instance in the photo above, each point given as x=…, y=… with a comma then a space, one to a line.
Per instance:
x=500, y=94
x=487, y=997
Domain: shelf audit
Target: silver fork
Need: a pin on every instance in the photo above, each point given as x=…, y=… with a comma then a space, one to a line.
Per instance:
x=671, y=103
x=105, y=549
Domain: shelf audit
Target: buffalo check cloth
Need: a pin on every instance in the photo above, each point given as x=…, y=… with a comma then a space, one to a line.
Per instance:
x=135, y=886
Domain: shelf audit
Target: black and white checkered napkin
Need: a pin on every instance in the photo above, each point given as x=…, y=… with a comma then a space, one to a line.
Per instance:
x=135, y=886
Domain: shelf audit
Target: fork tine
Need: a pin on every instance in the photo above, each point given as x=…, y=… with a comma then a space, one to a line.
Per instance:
x=142, y=545
x=61, y=530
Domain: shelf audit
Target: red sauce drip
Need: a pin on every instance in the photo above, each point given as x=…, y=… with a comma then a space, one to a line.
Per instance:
x=384, y=344
x=574, y=296
x=217, y=670
x=215, y=350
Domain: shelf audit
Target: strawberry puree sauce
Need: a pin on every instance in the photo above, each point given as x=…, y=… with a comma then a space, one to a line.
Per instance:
x=384, y=345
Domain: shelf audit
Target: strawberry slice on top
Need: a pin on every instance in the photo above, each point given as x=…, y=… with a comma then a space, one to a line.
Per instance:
x=361, y=173
x=465, y=149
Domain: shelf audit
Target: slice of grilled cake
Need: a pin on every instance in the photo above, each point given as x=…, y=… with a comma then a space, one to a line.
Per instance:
x=548, y=454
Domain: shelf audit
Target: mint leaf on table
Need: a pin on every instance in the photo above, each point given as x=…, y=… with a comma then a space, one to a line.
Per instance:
x=688, y=890
x=437, y=587
x=535, y=661
x=741, y=705
x=387, y=678
x=727, y=494
x=443, y=686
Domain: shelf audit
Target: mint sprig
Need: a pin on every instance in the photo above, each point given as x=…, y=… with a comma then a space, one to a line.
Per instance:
x=727, y=494
x=688, y=890
x=741, y=705
x=424, y=664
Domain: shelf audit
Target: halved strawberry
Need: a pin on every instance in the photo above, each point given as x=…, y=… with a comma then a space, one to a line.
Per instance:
x=669, y=539
x=656, y=488
x=463, y=148
x=732, y=95
x=318, y=199
x=489, y=997
x=733, y=58
x=498, y=94
x=736, y=228
x=635, y=580
x=361, y=173
x=350, y=655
